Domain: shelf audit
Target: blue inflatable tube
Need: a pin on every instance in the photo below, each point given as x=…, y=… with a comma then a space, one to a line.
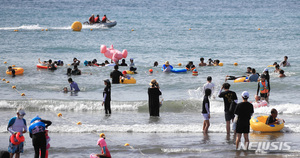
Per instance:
x=176, y=70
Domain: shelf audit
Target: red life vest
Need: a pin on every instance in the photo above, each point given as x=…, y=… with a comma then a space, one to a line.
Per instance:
x=91, y=19
x=104, y=19
x=96, y=19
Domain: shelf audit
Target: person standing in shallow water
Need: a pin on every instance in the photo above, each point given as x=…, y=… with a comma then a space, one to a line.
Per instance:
x=244, y=111
x=106, y=97
x=153, y=94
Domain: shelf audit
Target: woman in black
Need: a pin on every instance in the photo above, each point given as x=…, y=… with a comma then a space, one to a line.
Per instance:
x=106, y=97
x=154, y=93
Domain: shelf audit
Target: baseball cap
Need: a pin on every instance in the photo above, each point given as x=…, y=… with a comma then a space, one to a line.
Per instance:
x=21, y=111
x=245, y=94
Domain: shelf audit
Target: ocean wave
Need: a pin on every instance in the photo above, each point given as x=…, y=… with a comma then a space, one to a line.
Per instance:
x=176, y=106
x=147, y=128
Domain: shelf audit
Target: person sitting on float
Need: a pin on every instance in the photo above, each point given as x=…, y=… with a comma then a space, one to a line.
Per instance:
x=167, y=67
x=272, y=120
x=125, y=76
x=13, y=72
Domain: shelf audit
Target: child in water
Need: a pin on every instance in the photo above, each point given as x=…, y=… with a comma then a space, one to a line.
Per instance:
x=65, y=90
x=206, y=110
x=272, y=119
x=103, y=146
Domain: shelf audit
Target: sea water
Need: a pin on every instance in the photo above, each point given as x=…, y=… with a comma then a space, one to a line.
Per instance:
x=250, y=33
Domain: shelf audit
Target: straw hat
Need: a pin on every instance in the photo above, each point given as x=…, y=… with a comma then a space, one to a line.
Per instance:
x=167, y=63
x=153, y=82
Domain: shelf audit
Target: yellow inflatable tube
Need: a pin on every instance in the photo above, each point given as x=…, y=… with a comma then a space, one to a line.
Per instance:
x=241, y=79
x=128, y=81
x=129, y=72
x=258, y=123
x=18, y=71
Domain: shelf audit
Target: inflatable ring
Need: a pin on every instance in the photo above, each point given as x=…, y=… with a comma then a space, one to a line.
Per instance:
x=241, y=79
x=260, y=104
x=128, y=81
x=129, y=72
x=18, y=71
x=42, y=66
x=258, y=123
x=16, y=139
x=271, y=66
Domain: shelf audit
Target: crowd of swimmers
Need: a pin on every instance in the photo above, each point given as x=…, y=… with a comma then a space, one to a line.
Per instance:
x=237, y=113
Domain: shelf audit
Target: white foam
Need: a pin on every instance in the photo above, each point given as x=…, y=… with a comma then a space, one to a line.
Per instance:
x=183, y=150
x=60, y=105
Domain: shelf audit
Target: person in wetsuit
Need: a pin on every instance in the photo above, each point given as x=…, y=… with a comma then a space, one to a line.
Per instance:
x=37, y=133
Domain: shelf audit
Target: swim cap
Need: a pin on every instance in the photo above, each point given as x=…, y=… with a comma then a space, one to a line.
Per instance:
x=102, y=135
x=124, y=72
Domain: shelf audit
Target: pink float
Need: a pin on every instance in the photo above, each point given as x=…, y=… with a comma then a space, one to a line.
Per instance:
x=112, y=53
x=259, y=104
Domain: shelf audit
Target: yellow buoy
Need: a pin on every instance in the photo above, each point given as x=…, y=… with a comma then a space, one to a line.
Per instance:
x=76, y=26
x=42, y=29
x=7, y=81
x=46, y=29
x=16, y=30
x=179, y=64
x=91, y=29
x=126, y=144
x=69, y=64
x=23, y=94
x=190, y=29
x=220, y=64
x=235, y=64
x=13, y=66
x=5, y=62
x=258, y=29
x=132, y=30
x=3, y=79
x=59, y=115
x=13, y=87
x=79, y=123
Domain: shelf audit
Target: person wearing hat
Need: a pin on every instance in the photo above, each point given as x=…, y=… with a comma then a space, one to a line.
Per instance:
x=153, y=94
x=264, y=88
x=244, y=111
x=116, y=75
x=106, y=97
x=13, y=72
x=104, y=150
x=132, y=65
x=125, y=75
x=37, y=130
x=92, y=19
x=167, y=67
x=15, y=125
